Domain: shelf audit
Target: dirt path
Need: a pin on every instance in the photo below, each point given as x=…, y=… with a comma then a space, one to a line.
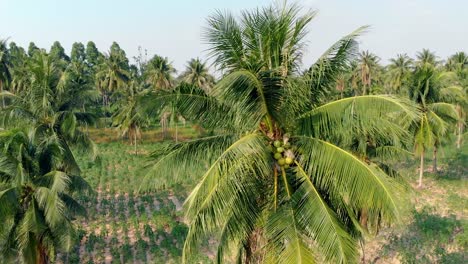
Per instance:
x=99, y=197
x=156, y=204
x=176, y=202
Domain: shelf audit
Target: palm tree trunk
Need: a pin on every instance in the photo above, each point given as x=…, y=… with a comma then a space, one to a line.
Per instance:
x=176, y=132
x=1, y=91
x=459, y=136
x=421, y=169
x=135, y=141
x=250, y=247
x=41, y=257
x=164, y=125
x=363, y=258
x=363, y=218
x=459, y=126
x=434, y=160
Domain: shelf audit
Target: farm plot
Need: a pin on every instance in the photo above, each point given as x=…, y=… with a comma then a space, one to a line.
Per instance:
x=124, y=226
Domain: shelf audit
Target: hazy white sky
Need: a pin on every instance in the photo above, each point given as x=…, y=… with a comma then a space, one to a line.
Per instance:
x=173, y=28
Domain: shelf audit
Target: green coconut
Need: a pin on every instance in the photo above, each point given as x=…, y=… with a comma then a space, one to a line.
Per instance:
x=278, y=155
x=277, y=143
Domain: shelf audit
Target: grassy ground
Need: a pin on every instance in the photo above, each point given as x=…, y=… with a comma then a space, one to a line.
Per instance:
x=125, y=226
x=434, y=229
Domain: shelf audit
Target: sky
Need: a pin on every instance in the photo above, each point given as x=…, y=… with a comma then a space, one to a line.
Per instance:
x=174, y=28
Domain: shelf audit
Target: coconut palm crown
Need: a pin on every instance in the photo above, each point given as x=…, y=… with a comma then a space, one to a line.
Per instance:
x=273, y=183
x=37, y=197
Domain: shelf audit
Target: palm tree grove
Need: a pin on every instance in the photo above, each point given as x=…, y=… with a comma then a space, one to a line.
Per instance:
x=248, y=154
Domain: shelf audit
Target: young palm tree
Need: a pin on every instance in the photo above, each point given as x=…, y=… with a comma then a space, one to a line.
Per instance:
x=128, y=118
x=399, y=71
x=37, y=201
x=159, y=73
x=273, y=184
x=196, y=73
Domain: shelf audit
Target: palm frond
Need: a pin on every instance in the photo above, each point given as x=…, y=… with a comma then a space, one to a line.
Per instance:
x=323, y=73
x=325, y=119
x=184, y=160
x=226, y=184
x=286, y=237
x=342, y=174
x=321, y=223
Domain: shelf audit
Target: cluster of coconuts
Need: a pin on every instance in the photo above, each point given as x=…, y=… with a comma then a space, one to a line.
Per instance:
x=283, y=152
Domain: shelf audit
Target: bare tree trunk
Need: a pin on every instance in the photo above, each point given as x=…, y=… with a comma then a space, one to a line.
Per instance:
x=434, y=160
x=421, y=169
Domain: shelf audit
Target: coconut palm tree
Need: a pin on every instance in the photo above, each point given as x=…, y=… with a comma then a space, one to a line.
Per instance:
x=159, y=73
x=128, y=118
x=196, y=73
x=5, y=64
x=112, y=75
x=399, y=71
x=458, y=63
x=36, y=197
x=19, y=69
x=428, y=88
x=426, y=57
x=51, y=105
x=368, y=68
x=273, y=184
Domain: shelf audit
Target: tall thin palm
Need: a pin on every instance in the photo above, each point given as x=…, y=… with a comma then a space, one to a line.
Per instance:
x=277, y=187
x=427, y=90
x=128, y=118
x=368, y=67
